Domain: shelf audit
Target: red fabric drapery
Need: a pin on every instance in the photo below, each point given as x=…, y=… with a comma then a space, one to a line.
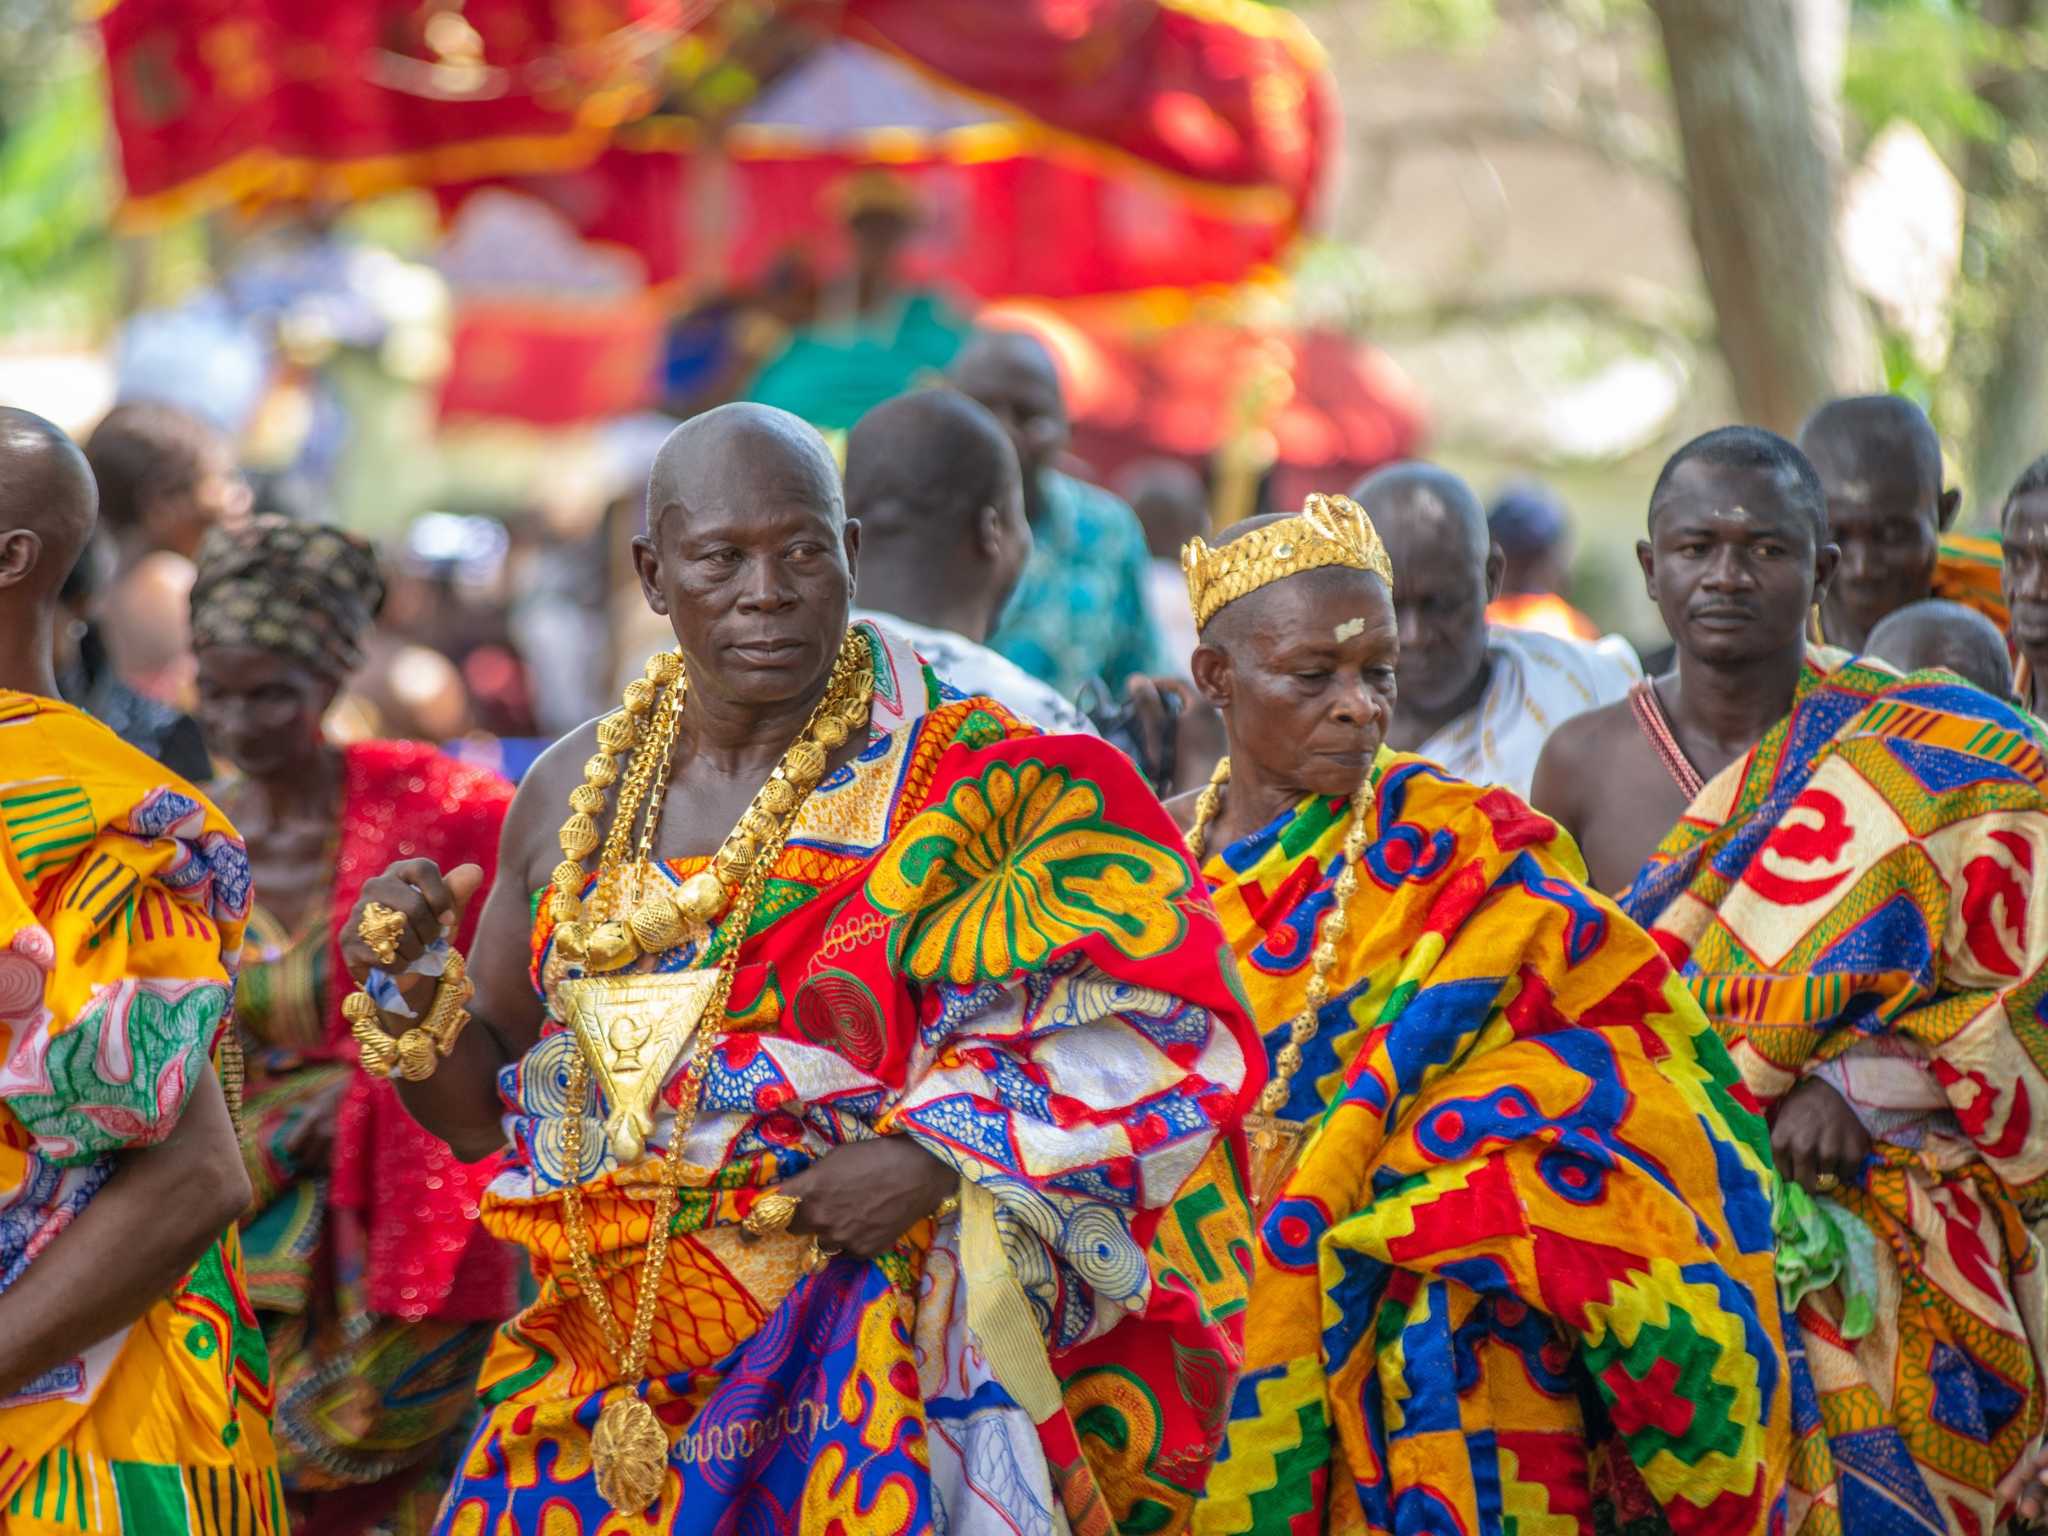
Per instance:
x=1230, y=94
x=282, y=100
x=279, y=100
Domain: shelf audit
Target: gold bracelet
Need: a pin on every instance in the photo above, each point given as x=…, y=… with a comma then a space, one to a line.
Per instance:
x=416, y=1054
x=948, y=1207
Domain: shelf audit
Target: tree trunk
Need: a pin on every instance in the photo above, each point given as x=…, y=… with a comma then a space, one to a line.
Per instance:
x=1999, y=367
x=1761, y=183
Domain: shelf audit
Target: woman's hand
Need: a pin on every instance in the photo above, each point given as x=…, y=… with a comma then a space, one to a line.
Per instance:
x=1817, y=1140
x=432, y=905
x=860, y=1198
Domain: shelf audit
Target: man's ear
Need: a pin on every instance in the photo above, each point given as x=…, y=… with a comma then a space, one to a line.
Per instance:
x=1946, y=509
x=1825, y=559
x=1211, y=669
x=1646, y=557
x=849, y=541
x=647, y=566
x=988, y=532
x=1496, y=570
x=21, y=551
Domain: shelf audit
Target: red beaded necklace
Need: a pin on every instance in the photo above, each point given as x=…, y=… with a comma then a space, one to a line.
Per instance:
x=1656, y=725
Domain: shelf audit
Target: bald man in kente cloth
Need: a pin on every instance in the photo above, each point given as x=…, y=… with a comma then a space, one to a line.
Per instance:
x=1879, y=460
x=1479, y=698
x=134, y=1387
x=853, y=1046
x=1513, y=1270
x=1845, y=863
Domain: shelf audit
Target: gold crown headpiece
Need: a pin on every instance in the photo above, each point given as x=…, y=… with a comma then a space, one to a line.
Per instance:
x=1329, y=530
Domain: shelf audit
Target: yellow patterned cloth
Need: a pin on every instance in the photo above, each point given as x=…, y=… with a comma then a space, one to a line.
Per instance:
x=123, y=897
x=1520, y=1276
x=1859, y=899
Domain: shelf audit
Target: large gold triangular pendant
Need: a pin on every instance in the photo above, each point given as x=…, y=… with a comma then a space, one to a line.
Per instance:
x=633, y=1031
x=1274, y=1145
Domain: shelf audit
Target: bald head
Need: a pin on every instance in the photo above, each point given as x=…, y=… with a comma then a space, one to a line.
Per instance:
x=934, y=481
x=1446, y=570
x=740, y=453
x=1879, y=463
x=1171, y=501
x=924, y=465
x=1937, y=633
x=1424, y=503
x=1000, y=352
x=48, y=505
x=1871, y=441
x=1013, y=376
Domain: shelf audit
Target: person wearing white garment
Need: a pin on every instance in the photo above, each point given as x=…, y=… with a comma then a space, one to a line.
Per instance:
x=934, y=483
x=1479, y=698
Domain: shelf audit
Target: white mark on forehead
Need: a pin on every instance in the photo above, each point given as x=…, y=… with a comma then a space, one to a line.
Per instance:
x=1349, y=628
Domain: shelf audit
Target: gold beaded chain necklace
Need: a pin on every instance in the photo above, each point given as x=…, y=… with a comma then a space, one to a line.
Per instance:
x=629, y=1449
x=1274, y=1140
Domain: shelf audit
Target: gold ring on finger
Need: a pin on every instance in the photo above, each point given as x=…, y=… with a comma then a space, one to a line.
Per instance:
x=771, y=1212
x=380, y=929
x=819, y=1257
x=1826, y=1182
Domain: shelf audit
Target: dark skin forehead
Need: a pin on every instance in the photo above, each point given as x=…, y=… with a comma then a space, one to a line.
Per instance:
x=718, y=467
x=1421, y=506
x=1705, y=496
x=47, y=488
x=1288, y=616
x=1006, y=365
x=1878, y=451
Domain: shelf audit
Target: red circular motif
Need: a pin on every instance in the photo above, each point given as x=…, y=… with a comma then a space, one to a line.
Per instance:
x=837, y=1011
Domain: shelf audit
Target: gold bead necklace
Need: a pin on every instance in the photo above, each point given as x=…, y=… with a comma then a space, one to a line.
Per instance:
x=1270, y=1135
x=596, y=935
x=629, y=1448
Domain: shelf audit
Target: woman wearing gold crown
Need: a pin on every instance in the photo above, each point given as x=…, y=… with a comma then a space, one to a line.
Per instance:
x=1514, y=1262
x=849, y=1047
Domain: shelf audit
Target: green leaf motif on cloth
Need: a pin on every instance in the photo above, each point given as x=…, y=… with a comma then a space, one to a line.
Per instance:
x=1015, y=865
x=118, y=1076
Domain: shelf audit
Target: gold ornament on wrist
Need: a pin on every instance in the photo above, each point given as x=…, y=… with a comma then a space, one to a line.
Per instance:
x=416, y=1054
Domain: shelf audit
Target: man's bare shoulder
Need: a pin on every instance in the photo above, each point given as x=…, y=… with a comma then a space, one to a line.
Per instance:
x=542, y=803
x=1584, y=739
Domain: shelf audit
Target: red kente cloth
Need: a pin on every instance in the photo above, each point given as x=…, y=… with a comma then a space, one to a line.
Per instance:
x=427, y=1255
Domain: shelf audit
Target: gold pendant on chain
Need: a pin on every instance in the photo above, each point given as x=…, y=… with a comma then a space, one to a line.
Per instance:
x=629, y=1452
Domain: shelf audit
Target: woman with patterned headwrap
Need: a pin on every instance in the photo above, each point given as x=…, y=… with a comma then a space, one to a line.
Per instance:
x=375, y=1285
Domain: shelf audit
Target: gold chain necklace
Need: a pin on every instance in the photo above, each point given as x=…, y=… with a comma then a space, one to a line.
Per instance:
x=595, y=935
x=629, y=1448
x=1273, y=1139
